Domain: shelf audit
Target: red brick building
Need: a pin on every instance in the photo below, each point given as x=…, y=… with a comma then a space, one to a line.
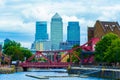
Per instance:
x=103, y=27
x=90, y=32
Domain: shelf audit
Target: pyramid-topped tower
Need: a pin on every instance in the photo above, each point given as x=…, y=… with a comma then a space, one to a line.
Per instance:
x=56, y=16
x=56, y=31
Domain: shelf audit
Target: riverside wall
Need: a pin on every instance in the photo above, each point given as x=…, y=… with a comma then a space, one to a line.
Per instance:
x=6, y=70
x=107, y=74
x=9, y=69
x=96, y=72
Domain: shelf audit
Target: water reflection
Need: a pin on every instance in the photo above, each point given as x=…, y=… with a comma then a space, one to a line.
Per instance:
x=44, y=72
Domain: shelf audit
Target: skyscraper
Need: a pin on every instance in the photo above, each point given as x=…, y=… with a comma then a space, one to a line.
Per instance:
x=73, y=33
x=56, y=31
x=41, y=37
x=41, y=31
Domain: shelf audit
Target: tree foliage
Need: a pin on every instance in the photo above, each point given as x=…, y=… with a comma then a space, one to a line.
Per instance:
x=113, y=52
x=15, y=51
x=104, y=48
x=77, y=52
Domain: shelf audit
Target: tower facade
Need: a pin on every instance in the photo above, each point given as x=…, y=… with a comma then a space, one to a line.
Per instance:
x=41, y=31
x=56, y=31
x=73, y=33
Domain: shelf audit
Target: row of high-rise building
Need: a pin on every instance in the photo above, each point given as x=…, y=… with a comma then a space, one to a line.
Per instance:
x=42, y=41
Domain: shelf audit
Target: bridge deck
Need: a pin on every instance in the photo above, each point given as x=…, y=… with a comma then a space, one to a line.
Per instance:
x=44, y=65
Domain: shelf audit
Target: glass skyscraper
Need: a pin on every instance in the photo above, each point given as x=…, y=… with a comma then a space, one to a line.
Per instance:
x=56, y=31
x=41, y=31
x=73, y=33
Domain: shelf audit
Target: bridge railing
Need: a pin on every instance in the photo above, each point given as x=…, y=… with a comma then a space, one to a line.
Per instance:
x=38, y=64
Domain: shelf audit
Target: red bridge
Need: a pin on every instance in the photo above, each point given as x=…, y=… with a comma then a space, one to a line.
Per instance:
x=56, y=61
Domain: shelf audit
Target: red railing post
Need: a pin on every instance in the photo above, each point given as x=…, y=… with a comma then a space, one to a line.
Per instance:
x=70, y=57
x=55, y=57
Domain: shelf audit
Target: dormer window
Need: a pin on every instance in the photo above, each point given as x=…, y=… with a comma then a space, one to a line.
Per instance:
x=106, y=25
x=113, y=25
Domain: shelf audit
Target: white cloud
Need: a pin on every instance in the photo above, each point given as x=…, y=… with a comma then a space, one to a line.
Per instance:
x=110, y=13
x=2, y=2
x=20, y=15
x=14, y=24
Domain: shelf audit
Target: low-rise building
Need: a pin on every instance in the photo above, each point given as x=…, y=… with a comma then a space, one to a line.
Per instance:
x=43, y=45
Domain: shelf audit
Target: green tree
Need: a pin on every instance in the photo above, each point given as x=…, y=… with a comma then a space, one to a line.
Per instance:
x=76, y=51
x=15, y=51
x=27, y=53
x=103, y=45
x=113, y=52
x=9, y=46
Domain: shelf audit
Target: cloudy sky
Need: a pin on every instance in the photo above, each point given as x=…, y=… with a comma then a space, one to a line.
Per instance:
x=18, y=17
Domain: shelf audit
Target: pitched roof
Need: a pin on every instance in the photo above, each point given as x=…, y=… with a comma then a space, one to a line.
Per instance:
x=56, y=16
x=109, y=25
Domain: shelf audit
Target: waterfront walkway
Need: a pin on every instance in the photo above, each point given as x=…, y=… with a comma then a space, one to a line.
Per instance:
x=97, y=68
x=97, y=71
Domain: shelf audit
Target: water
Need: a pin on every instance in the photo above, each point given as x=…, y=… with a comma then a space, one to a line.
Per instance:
x=22, y=75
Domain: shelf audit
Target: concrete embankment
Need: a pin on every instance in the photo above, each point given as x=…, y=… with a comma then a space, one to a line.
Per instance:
x=7, y=70
x=96, y=72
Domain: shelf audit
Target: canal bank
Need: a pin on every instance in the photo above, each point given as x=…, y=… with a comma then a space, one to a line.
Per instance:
x=110, y=73
x=10, y=69
x=7, y=69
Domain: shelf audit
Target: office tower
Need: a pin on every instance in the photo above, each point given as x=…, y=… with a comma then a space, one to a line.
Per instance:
x=56, y=31
x=73, y=33
x=41, y=31
x=41, y=37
